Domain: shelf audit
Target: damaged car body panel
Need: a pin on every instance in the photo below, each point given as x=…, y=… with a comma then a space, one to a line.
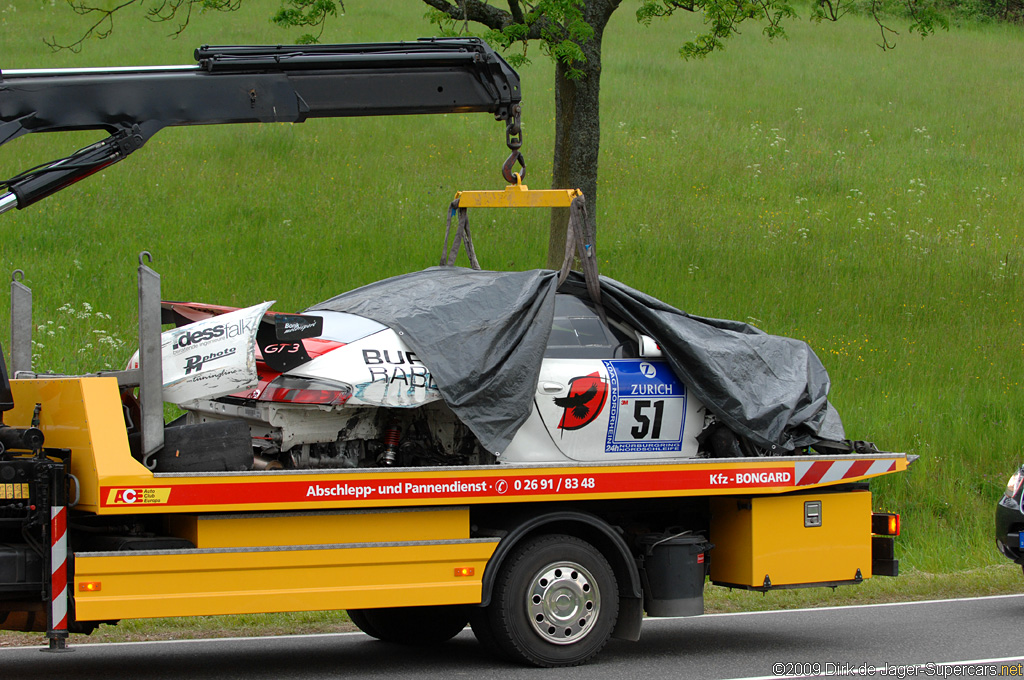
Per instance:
x=452, y=366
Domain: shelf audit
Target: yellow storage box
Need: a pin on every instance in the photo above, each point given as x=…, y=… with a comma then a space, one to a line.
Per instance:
x=793, y=540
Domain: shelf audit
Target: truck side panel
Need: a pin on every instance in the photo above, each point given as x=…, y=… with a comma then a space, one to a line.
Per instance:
x=248, y=530
x=294, y=578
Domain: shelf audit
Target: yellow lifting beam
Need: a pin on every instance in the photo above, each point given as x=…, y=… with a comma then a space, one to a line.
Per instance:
x=517, y=195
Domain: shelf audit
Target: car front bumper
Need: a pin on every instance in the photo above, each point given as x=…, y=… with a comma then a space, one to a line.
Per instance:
x=1009, y=525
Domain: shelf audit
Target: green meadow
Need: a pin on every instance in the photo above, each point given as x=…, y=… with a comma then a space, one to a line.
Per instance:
x=867, y=202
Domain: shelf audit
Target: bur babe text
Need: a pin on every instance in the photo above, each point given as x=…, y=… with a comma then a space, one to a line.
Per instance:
x=404, y=367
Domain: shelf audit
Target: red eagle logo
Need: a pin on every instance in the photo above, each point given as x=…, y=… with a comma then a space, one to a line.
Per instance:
x=583, y=403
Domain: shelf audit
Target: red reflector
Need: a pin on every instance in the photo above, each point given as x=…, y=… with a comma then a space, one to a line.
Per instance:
x=90, y=586
x=464, y=571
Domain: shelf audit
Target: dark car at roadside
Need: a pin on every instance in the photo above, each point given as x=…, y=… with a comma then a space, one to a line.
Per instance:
x=1010, y=519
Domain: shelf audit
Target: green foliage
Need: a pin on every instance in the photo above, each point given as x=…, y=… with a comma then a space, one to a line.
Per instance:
x=823, y=10
x=722, y=19
x=303, y=13
x=1011, y=11
x=559, y=25
x=924, y=16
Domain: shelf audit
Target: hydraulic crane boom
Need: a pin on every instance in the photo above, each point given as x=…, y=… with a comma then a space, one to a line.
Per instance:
x=246, y=84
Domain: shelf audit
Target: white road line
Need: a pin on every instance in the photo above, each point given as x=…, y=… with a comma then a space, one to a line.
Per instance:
x=843, y=606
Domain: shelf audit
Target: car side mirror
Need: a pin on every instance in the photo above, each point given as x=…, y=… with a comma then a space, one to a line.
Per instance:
x=649, y=347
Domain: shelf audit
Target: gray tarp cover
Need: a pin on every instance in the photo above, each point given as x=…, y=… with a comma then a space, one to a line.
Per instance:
x=483, y=335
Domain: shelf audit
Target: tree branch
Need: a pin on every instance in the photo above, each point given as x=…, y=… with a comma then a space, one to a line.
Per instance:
x=826, y=9
x=166, y=10
x=307, y=13
x=494, y=18
x=885, y=30
x=516, y=11
x=474, y=10
x=106, y=17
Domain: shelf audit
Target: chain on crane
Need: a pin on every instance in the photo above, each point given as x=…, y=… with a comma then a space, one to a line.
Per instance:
x=514, y=140
x=579, y=237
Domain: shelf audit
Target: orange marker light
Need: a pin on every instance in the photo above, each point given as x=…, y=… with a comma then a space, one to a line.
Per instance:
x=464, y=571
x=90, y=586
x=885, y=524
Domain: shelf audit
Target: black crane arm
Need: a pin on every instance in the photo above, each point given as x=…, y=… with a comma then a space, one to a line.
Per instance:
x=245, y=84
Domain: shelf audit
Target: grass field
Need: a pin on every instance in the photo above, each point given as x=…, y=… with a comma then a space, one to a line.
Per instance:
x=866, y=202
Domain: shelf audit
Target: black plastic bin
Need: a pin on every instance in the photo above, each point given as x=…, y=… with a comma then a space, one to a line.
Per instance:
x=673, y=571
x=21, y=571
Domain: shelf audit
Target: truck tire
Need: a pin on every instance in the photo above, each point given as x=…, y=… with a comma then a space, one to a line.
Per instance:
x=362, y=622
x=479, y=621
x=555, y=603
x=412, y=625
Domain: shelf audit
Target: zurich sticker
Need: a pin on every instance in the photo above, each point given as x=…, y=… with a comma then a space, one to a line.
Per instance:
x=648, y=405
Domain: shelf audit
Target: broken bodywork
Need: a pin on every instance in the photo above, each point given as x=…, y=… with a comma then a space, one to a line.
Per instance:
x=452, y=366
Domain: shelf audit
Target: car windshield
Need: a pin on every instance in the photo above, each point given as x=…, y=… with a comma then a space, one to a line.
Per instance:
x=578, y=333
x=346, y=328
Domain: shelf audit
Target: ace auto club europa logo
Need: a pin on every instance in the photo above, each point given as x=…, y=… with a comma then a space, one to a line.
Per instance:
x=586, y=397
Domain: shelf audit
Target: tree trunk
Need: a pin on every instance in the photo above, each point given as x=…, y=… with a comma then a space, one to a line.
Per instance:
x=578, y=130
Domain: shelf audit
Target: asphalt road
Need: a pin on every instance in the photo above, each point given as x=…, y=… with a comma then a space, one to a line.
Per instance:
x=949, y=638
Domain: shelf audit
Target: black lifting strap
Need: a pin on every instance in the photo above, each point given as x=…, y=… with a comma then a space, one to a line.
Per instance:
x=579, y=238
x=448, y=257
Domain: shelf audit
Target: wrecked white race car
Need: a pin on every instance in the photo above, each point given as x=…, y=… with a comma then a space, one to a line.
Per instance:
x=452, y=366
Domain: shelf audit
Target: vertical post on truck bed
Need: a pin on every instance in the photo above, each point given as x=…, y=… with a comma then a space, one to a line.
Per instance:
x=151, y=381
x=21, y=324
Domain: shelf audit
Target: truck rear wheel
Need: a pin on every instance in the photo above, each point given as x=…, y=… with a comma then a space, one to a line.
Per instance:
x=555, y=603
x=412, y=625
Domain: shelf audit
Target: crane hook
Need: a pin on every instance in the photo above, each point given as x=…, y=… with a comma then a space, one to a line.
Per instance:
x=510, y=162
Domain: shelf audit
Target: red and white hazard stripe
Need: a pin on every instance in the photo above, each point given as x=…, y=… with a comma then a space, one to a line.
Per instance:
x=826, y=471
x=59, y=568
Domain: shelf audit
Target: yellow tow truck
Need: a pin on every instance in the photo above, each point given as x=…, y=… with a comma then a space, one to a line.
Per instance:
x=546, y=558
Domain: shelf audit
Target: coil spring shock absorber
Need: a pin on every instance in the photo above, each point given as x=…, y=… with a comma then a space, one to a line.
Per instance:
x=392, y=435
